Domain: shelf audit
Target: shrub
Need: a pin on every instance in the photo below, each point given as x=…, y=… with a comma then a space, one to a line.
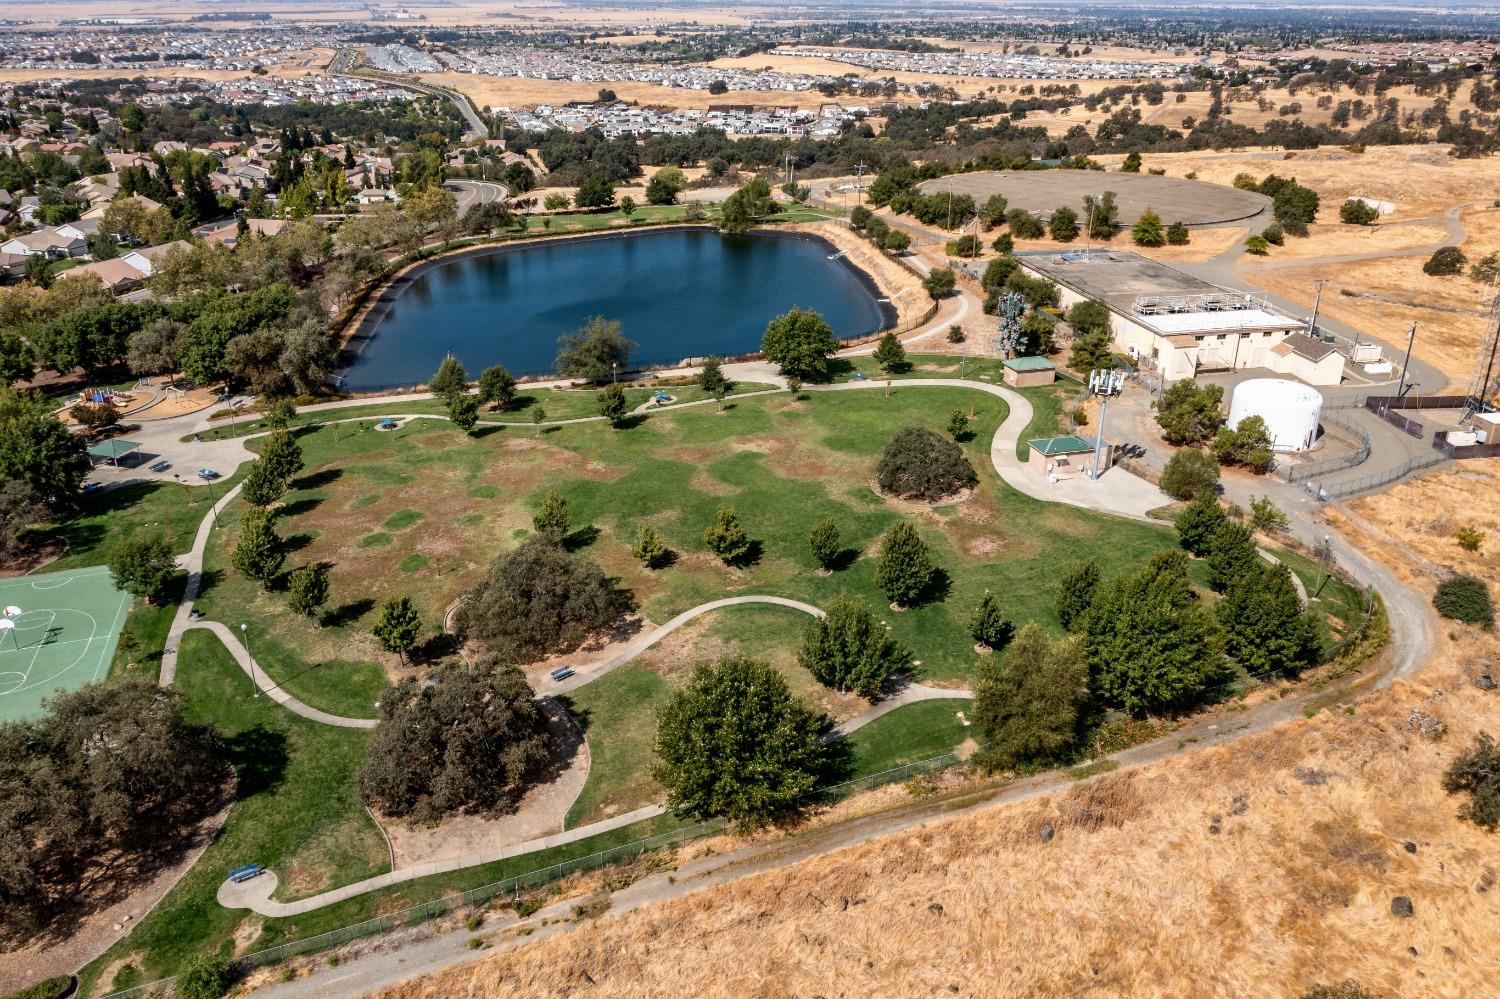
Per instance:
x=1445, y=262
x=466, y=740
x=1257, y=245
x=1356, y=212
x=1274, y=234
x=537, y=600
x=1470, y=538
x=725, y=537
x=1267, y=516
x=1178, y=235
x=611, y=403
x=1089, y=316
x=939, y=282
x=1248, y=445
x=207, y=976
x=649, y=548
x=1478, y=773
x=967, y=245
x=1023, y=224
x=955, y=333
x=552, y=520
x=920, y=465
x=1465, y=598
x=1063, y=226
x=1188, y=473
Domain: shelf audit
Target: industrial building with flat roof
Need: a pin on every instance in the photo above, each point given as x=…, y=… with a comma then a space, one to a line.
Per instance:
x=1178, y=325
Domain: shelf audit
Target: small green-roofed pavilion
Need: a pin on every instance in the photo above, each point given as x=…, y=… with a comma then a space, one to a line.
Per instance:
x=1069, y=444
x=112, y=451
x=1028, y=364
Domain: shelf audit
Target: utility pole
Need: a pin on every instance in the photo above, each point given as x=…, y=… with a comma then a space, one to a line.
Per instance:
x=1411, y=338
x=859, y=183
x=1312, y=324
x=1104, y=383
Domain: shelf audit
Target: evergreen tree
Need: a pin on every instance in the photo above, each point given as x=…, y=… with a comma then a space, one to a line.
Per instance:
x=612, y=404
x=988, y=626
x=1091, y=353
x=1178, y=235
x=1063, y=226
x=282, y=455
x=258, y=552
x=463, y=411
x=725, y=537
x=1199, y=521
x=824, y=542
x=958, y=424
x=398, y=627
x=890, y=355
x=497, y=387
x=849, y=649
x=1147, y=230
x=1132, y=163
x=307, y=590
x=1027, y=701
x=649, y=548
x=262, y=488
x=450, y=380
x=712, y=377
x=1265, y=626
x=1232, y=555
x=1151, y=646
x=1076, y=595
x=735, y=742
x=552, y=520
x=905, y=568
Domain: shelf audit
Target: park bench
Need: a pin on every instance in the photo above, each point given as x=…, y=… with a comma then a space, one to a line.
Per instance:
x=245, y=873
x=561, y=673
x=161, y=466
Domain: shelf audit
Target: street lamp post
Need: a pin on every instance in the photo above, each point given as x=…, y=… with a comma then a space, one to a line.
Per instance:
x=245, y=640
x=1411, y=337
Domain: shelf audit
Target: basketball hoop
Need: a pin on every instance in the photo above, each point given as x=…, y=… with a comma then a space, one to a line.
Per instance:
x=12, y=611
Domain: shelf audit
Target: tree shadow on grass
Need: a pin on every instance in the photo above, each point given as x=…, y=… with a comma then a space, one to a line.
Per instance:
x=581, y=538
x=484, y=430
x=844, y=559
x=317, y=480
x=298, y=507
x=297, y=542
x=938, y=588
x=631, y=421
x=582, y=717
x=348, y=613
x=839, y=367
x=259, y=756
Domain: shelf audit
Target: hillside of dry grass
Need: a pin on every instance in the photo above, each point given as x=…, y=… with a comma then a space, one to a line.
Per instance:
x=1259, y=868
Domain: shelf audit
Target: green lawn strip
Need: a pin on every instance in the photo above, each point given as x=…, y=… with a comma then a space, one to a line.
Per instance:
x=909, y=734
x=618, y=715
x=618, y=711
x=559, y=404
x=146, y=627
x=437, y=886
x=166, y=508
x=1337, y=598
x=296, y=812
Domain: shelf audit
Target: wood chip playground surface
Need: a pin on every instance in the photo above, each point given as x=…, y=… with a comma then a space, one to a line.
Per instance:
x=64, y=636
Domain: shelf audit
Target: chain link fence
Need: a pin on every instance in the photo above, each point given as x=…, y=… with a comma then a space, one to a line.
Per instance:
x=514, y=885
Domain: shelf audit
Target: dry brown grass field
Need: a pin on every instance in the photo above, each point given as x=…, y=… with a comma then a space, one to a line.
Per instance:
x=1260, y=868
x=1384, y=296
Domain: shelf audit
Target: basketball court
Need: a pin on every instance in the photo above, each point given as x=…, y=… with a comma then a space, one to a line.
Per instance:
x=58, y=632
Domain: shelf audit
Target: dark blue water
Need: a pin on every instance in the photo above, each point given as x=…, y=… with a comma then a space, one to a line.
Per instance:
x=677, y=293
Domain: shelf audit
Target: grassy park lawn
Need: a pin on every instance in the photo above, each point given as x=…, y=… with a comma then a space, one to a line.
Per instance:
x=1338, y=606
x=295, y=810
x=138, y=654
x=559, y=404
x=783, y=463
x=167, y=508
x=910, y=734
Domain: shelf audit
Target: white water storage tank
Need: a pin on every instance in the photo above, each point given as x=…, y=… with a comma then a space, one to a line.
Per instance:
x=1290, y=409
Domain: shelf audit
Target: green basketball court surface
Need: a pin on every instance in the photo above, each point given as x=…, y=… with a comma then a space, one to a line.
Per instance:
x=64, y=636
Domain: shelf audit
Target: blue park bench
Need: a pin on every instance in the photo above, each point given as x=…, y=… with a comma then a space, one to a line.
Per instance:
x=245, y=873
x=561, y=673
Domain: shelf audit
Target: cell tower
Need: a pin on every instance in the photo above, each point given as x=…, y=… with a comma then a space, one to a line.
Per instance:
x=1008, y=338
x=1486, y=380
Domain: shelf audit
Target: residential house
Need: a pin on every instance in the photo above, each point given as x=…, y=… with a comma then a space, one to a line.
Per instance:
x=116, y=276
x=46, y=242
x=146, y=258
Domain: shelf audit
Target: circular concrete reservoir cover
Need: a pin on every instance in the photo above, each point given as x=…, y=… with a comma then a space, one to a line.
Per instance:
x=1191, y=202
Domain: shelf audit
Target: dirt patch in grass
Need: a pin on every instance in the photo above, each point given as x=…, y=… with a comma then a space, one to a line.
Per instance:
x=704, y=481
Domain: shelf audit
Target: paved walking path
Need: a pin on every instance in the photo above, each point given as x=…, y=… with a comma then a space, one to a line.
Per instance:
x=910, y=693
x=641, y=643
